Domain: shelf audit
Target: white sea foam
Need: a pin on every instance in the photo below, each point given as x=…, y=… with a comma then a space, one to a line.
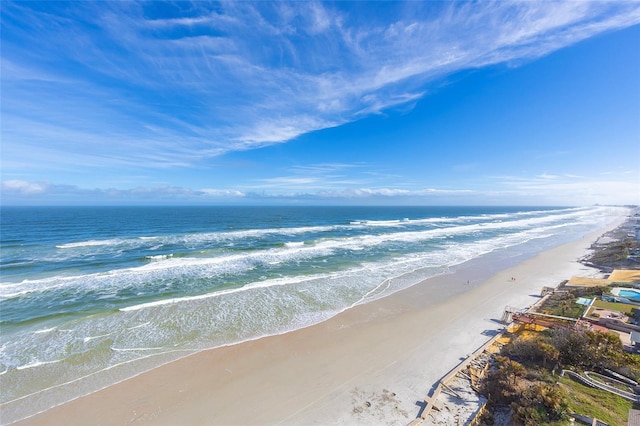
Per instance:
x=294, y=244
x=201, y=238
x=90, y=338
x=91, y=243
x=456, y=253
x=139, y=325
x=257, y=233
x=35, y=364
x=159, y=257
x=137, y=349
x=168, y=266
x=221, y=293
x=45, y=330
x=120, y=245
x=386, y=223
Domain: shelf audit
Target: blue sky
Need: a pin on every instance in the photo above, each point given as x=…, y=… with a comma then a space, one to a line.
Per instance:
x=501, y=103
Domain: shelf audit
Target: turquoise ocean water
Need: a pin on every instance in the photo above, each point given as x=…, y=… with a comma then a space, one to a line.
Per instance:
x=90, y=296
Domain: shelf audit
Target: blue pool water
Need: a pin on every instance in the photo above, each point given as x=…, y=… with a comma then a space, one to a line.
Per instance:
x=629, y=294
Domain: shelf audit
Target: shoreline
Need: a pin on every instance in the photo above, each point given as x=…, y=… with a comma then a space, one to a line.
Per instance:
x=373, y=363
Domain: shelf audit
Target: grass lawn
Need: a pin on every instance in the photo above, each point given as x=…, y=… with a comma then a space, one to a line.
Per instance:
x=615, y=306
x=596, y=403
x=562, y=307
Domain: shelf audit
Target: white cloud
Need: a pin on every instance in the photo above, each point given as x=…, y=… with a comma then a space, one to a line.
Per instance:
x=131, y=91
x=14, y=191
x=573, y=190
x=418, y=195
x=244, y=81
x=222, y=193
x=24, y=188
x=321, y=19
x=278, y=130
x=291, y=181
x=508, y=190
x=325, y=168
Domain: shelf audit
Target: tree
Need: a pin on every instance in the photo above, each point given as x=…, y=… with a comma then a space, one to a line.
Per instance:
x=536, y=350
x=573, y=347
x=549, y=353
x=540, y=403
x=587, y=349
x=512, y=369
x=606, y=346
x=508, y=370
x=500, y=384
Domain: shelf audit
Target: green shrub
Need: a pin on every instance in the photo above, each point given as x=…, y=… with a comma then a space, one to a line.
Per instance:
x=541, y=403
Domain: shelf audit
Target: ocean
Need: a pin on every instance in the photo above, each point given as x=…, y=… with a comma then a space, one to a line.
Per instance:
x=90, y=296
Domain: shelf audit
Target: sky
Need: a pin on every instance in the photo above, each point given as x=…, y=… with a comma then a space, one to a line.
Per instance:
x=312, y=103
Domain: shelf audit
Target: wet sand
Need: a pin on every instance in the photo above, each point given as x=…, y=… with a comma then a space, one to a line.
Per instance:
x=372, y=364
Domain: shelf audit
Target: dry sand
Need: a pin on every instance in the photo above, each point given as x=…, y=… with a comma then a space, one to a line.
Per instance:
x=373, y=364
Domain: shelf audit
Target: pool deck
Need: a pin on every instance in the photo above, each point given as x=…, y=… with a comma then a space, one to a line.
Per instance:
x=636, y=294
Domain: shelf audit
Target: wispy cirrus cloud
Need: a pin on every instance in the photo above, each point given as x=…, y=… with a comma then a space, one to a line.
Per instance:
x=313, y=178
x=130, y=84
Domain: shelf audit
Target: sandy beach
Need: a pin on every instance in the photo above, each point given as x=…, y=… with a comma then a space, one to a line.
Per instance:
x=373, y=364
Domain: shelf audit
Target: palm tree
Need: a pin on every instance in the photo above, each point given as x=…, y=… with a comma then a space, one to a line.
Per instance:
x=510, y=368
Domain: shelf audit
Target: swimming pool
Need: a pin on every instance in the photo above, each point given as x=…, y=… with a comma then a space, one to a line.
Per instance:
x=628, y=293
